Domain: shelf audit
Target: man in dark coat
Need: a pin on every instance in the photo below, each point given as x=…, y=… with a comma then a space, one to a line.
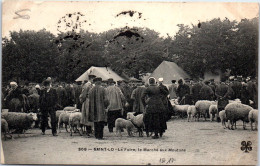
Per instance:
x=196, y=91
x=14, y=98
x=244, y=94
x=48, y=104
x=212, y=84
x=222, y=95
x=127, y=91
x=183, y=90
x=164, y=92
x=97, y=107
x=70, y=95
x=188, y=98
x=136, y=96
x=206, y=93
x=34, y=105
x=252, y=89
x=236, y=87
x=77, y=89
x=62, y=96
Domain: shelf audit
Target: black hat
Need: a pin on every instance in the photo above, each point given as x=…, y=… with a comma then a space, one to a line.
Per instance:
x=46, y=83
x=97, y=79
x=180, y=81
x=110, y=80
x=173, y=81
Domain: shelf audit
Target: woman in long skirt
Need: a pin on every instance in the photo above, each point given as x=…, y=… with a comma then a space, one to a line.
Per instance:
x=154, y=109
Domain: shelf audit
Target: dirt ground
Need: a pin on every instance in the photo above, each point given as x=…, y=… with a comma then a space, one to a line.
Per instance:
x=183, y=143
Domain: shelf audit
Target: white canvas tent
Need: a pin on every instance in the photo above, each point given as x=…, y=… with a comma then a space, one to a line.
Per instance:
x=103, y=72
x=168, y=71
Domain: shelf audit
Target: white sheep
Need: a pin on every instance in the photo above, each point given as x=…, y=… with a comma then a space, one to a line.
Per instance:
x=74, y=121
x=234, y=101
x=202, y=107
x=191, y=112
x=213, y=112
x=69, y=108
x=237, y=111
x=64, y=119
x=121, y=123
x=174, y=102
x=223, y=118
x=58, y=112
x=19, y=121
x=253, y=117
x=180, y=109
x=5, y=128
x=137, y=121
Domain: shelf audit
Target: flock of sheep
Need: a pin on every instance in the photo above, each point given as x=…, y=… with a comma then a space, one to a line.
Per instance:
x=70, y=116
x=233, y=112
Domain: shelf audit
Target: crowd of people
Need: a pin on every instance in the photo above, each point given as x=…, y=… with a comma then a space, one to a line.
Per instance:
x=101, y=102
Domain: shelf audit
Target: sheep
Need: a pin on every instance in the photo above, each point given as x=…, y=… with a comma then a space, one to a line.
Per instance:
x=174, y=102
x=121, y=123
x=4, y=128
x=237, y=111
x=19, y=121
x=253, y=117
x=58, y=112
x=137, y=121
x=64, y=118
x=74, y=121
x=191, y=112
x=223, y=118
x=69, y=108
x=213, y=112
x=202, y=107
x=180, y=109
x=234, y=101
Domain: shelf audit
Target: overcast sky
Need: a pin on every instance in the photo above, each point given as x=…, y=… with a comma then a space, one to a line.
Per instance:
x=101, y=16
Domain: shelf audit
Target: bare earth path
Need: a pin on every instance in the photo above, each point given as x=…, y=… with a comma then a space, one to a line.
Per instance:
x=183, y=143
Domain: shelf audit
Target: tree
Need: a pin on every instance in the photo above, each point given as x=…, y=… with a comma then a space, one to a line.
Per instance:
x=29, y=55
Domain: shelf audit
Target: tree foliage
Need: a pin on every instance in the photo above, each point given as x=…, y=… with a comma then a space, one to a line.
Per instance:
x=214, y=45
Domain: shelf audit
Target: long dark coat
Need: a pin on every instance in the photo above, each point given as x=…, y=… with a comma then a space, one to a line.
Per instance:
x=127, y=91
x=196, y=91
x=153, y=102
x=62, y=96
x=34, y=102
x=183, y=91
x=206, y=93
x=70, y=95
x=253, y=90
x=97, y=104
x=222, y=95
x=14, y=100
x=236, y=87
x=167, y=105
x=244, y=95
x=137, y=98
x=48, y=99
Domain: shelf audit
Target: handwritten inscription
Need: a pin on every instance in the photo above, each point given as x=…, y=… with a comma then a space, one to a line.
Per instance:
x=167, y=160
x=20, y=14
